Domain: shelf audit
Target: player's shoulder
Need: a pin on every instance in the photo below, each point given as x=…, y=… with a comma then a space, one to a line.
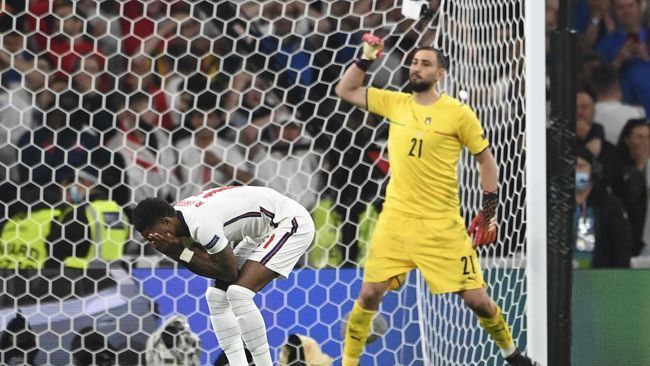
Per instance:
x=393, y=94
x=451, y=102
x=453, y=105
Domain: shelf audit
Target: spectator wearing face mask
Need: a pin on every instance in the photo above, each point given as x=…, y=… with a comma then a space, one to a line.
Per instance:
x=603, y=237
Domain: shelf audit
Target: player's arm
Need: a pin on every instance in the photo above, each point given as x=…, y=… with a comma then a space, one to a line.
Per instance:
x=350, y=88
x=483, y=226
x=221, y=265
x=488, y=171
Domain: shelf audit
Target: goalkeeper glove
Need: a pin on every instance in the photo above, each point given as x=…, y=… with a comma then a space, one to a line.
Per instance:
x=483, y=227
x=372, y=50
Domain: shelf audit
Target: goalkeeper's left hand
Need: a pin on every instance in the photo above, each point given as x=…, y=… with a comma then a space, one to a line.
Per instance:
x=483, y=227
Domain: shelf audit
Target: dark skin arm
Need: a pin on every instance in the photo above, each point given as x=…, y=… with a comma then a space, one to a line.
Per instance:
x=221, y=266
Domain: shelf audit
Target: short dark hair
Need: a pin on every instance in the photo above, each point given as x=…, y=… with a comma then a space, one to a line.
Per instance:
x=603, y=79
x=442, y=59
x=150, y=211
x=588, y=92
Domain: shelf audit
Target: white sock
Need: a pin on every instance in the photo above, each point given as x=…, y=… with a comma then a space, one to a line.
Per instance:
x=251, y=323
x=225, y=325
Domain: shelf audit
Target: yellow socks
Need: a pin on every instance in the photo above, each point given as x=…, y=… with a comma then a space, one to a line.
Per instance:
x=499, y=331
x=356, y=334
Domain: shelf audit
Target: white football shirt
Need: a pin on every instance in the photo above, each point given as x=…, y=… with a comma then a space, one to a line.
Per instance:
x=229, y=214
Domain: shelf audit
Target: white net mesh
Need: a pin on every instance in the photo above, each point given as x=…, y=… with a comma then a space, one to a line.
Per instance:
x=130, y=99
x=485, y=43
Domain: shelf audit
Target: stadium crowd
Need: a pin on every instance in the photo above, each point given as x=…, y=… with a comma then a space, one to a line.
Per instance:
x=167, y=98
x=118, y=101
x=612, y=129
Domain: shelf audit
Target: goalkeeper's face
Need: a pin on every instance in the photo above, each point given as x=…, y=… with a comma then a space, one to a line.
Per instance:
x=424, y=71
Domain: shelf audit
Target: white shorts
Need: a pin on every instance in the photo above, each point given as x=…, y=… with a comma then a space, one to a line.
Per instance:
x=281, y=249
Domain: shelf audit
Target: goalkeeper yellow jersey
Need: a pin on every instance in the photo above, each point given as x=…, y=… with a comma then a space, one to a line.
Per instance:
x=424, y=145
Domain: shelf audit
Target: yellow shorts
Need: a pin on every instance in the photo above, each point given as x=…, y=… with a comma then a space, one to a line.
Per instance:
x=439, y=248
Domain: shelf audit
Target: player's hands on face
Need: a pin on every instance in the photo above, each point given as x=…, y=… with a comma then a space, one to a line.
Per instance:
x=482, y=230
x=163, y=242
x=372, y=47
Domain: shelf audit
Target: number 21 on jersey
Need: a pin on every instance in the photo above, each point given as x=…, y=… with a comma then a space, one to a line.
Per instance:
x=416, y=148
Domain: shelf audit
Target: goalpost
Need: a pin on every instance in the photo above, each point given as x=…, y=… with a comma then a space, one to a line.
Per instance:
x=506, y=89
x=261, y=74
x=497, y=67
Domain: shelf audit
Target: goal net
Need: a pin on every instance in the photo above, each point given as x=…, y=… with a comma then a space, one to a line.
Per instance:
x=485, y=44
x=105, y=103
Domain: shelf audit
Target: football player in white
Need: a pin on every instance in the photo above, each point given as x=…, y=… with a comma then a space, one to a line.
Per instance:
x=243, y=237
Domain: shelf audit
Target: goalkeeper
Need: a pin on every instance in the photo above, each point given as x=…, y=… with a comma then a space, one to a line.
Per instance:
x=420, y=226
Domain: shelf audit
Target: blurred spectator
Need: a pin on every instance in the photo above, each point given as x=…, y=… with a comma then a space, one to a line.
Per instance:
x=90, y=85
x=610, y=109
x=603, y=237
x=138, y=22
x=632, y=188
x=593, y=20
x=636, y=89
x=255, y=104
x=44, y=151
x=206, y=158
x=629, y=41
x=70, y=43
x=589, y=62
x=627, y=50
x=289, y=164
x=17, y=113
x=287, y=43
x=143, y=79
x=103, y=23
x=188, y=82
x=92, y=229
x=589, y=133
x=14, y=60
x=149, y=157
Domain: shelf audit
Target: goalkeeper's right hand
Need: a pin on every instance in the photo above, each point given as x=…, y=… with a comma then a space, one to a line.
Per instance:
x=372, y=47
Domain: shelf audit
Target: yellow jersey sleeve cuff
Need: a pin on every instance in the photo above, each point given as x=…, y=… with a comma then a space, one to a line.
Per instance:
x=481, y=150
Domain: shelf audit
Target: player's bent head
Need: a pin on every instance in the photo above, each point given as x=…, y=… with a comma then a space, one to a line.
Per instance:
x=151, y=211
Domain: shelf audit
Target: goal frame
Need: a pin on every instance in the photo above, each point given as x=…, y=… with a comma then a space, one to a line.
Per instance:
x=536, y=237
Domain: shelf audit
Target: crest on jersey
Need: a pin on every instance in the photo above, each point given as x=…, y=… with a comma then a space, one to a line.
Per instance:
x=212, y=242
x=427, y=121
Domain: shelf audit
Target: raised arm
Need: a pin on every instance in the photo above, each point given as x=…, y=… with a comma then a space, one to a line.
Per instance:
x=350, y=88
